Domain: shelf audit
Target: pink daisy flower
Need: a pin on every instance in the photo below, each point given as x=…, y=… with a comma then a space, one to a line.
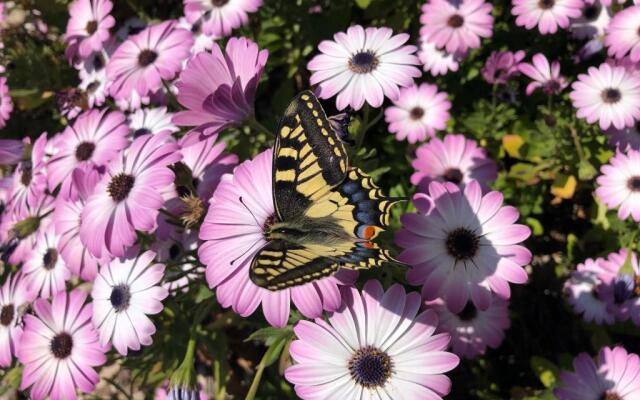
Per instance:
x=59, y=348
x=208, y=162
x=546, y=77
x=218, y=89
x=6, y=104
x=608, y=94
x=473, y=330
x=44, y=269
x=418, y=112
x=456, y=26
x=15, y=296
x=462, y=245
x=619, y=184
x=371, y=346
x=67, y=220
x=201, y=41
x=95, y=86
x=583, y=290
x=624, y=139
x=436, y=61
x=614, y=376
x=548, y=15
x=88, y=27
x=233, y=235
x=453, y=159
x=124, y=293
x=11, y=151
x=621, y=289
x=219, y=17
x=129, y=195
x=175, y=250
x=29, y=179
x=95, y=138
x=151, y=120
x=623, y=34
x=144, y=60
x=593, y=21
x=502, y=66
x=363, y=65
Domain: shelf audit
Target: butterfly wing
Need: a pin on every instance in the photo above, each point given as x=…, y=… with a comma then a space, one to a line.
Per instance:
x=357, y=205
x=309, y=158
x=280, y=265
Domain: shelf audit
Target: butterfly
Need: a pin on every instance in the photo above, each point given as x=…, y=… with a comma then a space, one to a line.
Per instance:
x=327, y=213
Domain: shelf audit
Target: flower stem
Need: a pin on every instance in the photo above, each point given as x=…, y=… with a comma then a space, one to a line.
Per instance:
x=576, y=142
x=254, y=124
x=366, y=125
x=251, y=394
x=172, y=97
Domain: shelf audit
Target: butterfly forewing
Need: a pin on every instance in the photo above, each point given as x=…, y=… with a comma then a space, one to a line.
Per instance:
x=309, y=157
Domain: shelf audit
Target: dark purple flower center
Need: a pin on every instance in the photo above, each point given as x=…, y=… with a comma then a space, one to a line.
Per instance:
x=120, y=297
x=174, y=251
x=546, y=4
x=120, y=186
x=416, y=113
x=633, y=183
x=370, y=367
x=61, y=345
x=84, y=151
x=219, y=3
x=468, y=313
x=27, y=175
x=591, y=13
x=363, y=62
x=610, y=395
x=98, y=62
x=625, y=287
x=139, y=132
x=611, y=95
x=93, y=86
x=92, y=27
x=453, y=175
x=147, y=57
x=50, y=259
x=455, y=21
x=6, y=314
x=462, y=244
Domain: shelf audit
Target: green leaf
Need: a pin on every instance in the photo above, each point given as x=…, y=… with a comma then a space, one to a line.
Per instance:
x=363, y=3
x=586, y=171
x=536, y=226
x=546, y=371
x=269, y=334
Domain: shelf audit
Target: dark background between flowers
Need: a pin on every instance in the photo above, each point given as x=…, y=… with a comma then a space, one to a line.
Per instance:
x=568, y=224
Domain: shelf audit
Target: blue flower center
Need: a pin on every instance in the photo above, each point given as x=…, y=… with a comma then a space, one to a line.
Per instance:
x=120, y=297
x=370, y=367
x=363, y=62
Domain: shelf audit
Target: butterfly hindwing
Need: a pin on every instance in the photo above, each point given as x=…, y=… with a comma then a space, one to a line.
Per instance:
x=280, y=265
x=309, y=157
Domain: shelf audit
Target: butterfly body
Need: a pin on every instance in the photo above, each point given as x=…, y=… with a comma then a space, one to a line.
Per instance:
x=327, y=212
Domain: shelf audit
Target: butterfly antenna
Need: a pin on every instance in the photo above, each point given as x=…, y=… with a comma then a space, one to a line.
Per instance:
x=250, y=212
x=244, y=253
